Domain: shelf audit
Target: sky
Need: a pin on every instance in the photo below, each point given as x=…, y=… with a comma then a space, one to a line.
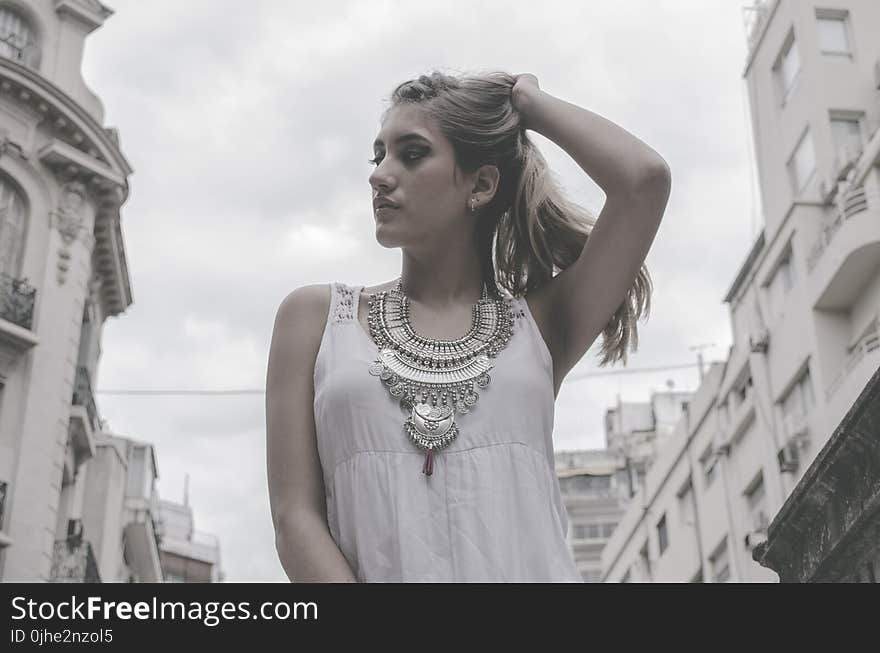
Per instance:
x=249, y=126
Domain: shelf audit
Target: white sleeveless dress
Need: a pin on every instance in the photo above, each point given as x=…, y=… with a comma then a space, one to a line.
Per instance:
x=491, y=511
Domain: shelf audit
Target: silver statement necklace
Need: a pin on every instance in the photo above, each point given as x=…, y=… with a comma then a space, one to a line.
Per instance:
x=434, y=379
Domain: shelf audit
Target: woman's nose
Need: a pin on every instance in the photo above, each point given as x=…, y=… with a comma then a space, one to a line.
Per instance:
x=380, y=182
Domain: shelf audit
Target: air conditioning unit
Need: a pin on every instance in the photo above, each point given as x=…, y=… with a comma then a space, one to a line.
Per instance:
x=754, y=538
x=788, y=458
x=760, y=341
x=74, y=530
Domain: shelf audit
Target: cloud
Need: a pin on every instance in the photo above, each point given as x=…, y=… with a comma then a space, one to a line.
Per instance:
x=249, y=126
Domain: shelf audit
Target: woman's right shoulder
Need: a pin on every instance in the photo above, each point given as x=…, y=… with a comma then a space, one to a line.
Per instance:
x=304, y=310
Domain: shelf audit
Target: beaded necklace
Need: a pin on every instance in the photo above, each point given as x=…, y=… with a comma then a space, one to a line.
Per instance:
x=434, y=379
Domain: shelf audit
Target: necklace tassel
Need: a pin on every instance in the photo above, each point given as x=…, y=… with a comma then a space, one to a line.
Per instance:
x=428, y=468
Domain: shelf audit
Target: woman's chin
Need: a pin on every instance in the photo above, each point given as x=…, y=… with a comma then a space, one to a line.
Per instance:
x=384, y=238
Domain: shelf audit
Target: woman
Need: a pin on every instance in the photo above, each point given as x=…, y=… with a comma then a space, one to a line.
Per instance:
x=391, y=456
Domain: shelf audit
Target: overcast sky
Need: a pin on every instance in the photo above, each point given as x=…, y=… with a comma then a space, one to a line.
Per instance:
x=249, y=126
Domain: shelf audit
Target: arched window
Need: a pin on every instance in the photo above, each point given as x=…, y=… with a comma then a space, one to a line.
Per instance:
x=17, y=39
x=13, y=226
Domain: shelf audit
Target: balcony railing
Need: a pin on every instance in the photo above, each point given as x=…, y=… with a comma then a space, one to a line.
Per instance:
x=13, y=46
x=866, y=344
x=852, y=203
x=83, y=396
x=17, y=300
x=74, y=562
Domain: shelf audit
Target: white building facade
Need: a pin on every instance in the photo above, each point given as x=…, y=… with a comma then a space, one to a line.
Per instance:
x=597, y=484
x=63, y=272
x=804, y=306
x=188, y=555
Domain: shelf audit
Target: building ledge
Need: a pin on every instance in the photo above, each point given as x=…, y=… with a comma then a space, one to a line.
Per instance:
x=832, y=518
x=14, y=341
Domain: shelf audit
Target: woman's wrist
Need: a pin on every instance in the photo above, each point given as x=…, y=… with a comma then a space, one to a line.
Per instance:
x=527, y=100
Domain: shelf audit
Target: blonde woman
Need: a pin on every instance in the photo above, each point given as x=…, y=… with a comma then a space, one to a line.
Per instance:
x=409, y=423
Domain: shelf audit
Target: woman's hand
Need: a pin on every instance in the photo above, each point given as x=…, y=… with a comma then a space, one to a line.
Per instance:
x=525, y=88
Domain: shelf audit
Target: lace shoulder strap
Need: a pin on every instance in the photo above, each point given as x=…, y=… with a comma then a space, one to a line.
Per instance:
x=342, y=302
x=515, y=305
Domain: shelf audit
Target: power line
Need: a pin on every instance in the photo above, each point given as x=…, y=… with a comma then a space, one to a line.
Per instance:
x=573, y=377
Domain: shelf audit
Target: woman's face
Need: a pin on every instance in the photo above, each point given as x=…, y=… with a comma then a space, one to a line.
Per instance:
x=417, y=174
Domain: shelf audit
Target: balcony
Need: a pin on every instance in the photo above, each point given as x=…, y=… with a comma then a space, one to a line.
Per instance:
x=84, y=421
x=16, y=301
x=74, y=562
x=846, y=253
x=20, y=49
x=865, y=348
x=143, y=533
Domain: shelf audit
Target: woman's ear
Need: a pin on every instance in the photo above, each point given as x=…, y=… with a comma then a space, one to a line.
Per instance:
x=486, y=181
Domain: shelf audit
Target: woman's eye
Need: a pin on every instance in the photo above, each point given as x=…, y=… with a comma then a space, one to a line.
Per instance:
x=412, y=155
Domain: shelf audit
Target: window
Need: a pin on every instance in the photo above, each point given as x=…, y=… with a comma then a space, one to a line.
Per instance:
x=585, y=483
x=608, y=529
x=591, y=576
x=787, y=67
x=3, y=486
x=756, y=503
x=780, y=282
x=662, y=535
x=797, y=403
x=802, y=163
x=833, y=35
x=645, y=558
x=742, y=390
x=720, y=563
x=17, y=39
x=846, y=134
x=686, y=504
x=587, y=531
x=724, y=412
x=708, y=460
x=13, y=222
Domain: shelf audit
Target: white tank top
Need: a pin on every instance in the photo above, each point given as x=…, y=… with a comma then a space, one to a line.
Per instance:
x=491, y=511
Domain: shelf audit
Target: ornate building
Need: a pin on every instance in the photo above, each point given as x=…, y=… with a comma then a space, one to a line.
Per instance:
x=63, y=180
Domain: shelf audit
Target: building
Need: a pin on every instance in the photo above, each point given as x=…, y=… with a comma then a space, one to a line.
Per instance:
x=63, y=180
x=637, y=431
x=597, y=484
x=120, y=518
x=595, y=494
x=828, y=530
x=804, y=305
x=188, y=555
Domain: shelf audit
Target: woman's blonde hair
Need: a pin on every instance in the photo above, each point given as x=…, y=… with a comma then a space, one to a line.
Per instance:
x=529, y=229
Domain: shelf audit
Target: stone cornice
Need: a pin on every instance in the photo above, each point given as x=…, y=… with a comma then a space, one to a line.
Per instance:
x=81, y=149
x=89, y=12
x=833, y=515
x=64, y=117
